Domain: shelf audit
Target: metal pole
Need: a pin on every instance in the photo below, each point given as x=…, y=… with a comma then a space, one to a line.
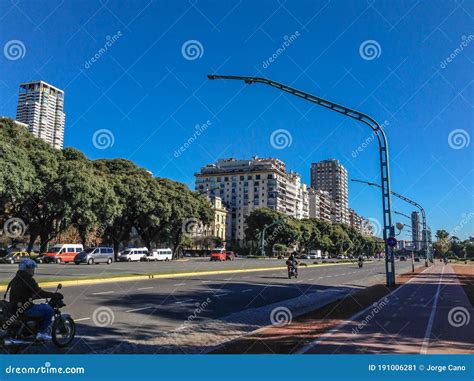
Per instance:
x=406, y=199
x=388, y=230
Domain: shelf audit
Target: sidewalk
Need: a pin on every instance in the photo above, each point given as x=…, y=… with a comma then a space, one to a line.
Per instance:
x=429, y=314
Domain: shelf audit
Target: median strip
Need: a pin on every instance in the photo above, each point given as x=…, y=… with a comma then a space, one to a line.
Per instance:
x=137, y=277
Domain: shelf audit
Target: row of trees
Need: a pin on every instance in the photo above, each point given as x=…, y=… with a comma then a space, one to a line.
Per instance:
x=307, y=234
x=452, y=246
x=46, y=192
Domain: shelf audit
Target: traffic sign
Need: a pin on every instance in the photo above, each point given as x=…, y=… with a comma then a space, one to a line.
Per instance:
x=391, y=241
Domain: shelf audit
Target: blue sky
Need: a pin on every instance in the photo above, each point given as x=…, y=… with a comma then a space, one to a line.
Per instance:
x=150, y=92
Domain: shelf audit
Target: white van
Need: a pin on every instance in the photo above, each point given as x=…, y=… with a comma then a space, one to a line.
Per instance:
x=133, y=255
x=159, y=255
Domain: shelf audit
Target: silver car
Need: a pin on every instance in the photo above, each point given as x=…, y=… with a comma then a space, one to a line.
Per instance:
x=95, y=255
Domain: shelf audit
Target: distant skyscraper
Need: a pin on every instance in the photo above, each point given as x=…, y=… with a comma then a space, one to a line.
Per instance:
x=331, y=176
x=41, y=107
x=416, y=230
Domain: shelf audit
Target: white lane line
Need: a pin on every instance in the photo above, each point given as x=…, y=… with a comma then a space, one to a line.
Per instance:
x=144, y=288
x=227, y=279
x=103, y=293
x=218, y=296
x=179, y=284
x=82, y=319
x=429, y=327
x=139, y=309
x=247, y=290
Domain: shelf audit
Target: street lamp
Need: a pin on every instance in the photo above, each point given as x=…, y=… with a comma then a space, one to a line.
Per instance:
x=423, y=214
x=388, y=230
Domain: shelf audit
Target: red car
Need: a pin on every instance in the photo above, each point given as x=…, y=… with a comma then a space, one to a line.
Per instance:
x=222, y=255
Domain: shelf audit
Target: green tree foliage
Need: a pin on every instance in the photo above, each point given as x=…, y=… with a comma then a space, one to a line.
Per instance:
x=51, y=190
x=308, y=234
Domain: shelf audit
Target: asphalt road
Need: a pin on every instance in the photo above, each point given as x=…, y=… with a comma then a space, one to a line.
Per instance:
x=128, y=317
x=70, y=270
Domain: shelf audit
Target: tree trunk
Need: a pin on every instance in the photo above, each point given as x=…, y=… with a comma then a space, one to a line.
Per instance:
x=44, y=239
x=31, y=242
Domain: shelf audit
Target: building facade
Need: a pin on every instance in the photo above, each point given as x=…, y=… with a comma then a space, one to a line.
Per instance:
x=41, y=107
x=331, y=176
x=320, y=205
x=246, y=185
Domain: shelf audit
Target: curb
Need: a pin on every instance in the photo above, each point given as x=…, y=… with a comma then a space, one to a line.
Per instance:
x=82, y=282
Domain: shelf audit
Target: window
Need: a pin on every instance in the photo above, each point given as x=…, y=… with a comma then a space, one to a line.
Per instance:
x=257, y=177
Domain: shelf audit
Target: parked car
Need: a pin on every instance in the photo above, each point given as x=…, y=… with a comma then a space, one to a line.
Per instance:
x=403, y=259
x=63, y=252
x=222, y=255
x=158, y=255
x=304, y=256
x=417, y=259
x=340, y=256
x=133, y=255
x=14, y=257
x=93, y=255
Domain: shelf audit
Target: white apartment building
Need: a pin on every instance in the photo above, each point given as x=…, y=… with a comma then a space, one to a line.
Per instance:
x=331, y=176
x=246, y=185
x=320, y=205
x=41, y=107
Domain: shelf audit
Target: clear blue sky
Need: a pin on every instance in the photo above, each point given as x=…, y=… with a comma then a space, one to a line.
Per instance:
x=145, y=91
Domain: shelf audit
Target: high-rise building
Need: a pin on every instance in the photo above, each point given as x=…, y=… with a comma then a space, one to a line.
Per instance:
x=331, y=176
x=246, y=185
x=416, y=230
x=320, y=204
x=41, y=107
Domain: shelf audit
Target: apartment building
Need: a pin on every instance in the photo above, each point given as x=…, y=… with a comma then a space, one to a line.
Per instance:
x=41, y=107
x=320, y=204
x=331, y=176
x=246, y=185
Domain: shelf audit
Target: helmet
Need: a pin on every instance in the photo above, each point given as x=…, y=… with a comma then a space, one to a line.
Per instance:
x=26, y=264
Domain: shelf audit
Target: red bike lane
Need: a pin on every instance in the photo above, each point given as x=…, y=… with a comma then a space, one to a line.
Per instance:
x=428, y=314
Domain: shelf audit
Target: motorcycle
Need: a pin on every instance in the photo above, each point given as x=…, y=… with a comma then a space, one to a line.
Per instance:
x=292, y=271
x=361, y=264
x=22, y=330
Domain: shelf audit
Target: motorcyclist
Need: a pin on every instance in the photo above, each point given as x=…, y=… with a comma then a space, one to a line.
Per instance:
x=361, y=260
x=23, y=290
x=292, y=262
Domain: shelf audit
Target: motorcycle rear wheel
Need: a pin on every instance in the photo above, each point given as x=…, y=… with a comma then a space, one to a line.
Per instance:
x=63, y=332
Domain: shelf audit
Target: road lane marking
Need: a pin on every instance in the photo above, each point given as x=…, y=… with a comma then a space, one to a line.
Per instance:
x=429, y=327
x=103, y=293
x=179, y=284
x=144, y=288
x=82, y=319
x=184, y=301
x=139, y=309
x=247, y=290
